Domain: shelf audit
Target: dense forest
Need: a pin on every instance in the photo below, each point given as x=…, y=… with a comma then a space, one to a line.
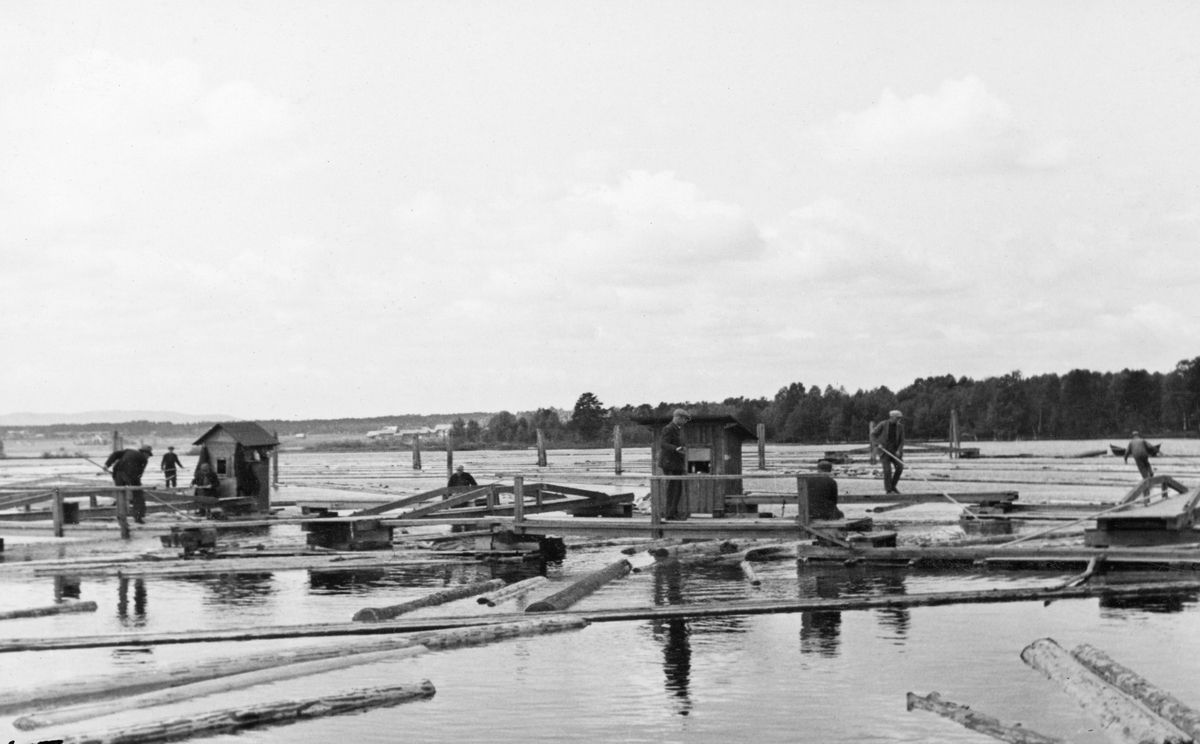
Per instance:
x=1078, y=405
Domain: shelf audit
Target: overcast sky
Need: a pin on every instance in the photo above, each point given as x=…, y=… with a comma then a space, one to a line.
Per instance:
x=327, y=209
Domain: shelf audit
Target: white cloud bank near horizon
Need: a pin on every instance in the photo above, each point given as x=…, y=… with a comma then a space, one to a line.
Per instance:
x=232, y=219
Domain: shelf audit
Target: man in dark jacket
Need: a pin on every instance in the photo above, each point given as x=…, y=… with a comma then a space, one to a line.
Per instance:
x=671, y=460
x=889, y=435
x=461, y=478
x=1140, y=450
x=170, y=465
x=127, y=468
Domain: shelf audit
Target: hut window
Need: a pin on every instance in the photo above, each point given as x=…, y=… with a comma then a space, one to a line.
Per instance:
x=221, y=470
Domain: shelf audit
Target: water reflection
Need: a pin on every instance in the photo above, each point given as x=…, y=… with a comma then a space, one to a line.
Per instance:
x=675, y=635
x=347, y=582
x=238, y=590
x=820, y=632
x=139, y=603
x=66, y=587
x=1115, y=607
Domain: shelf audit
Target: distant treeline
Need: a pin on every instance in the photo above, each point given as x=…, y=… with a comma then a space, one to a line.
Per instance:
x=1078, y=405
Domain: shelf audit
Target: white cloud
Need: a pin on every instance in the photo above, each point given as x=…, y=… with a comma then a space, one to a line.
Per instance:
x=961, y=127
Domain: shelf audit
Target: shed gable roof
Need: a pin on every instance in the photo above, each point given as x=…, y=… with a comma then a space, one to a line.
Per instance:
x=246, y=433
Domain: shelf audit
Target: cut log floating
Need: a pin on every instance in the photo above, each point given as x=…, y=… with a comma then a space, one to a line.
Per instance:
x=512, y=591
x=215, y=686
x=631, y=544
x=1122, y=719
x=651, y=545
x=562, y=600
x=379, y=614
x=1186, y=718
x=748, y=572
x=96, y=689
x=976, y=721
x=692, y=548
x=231, y=720
x=57, y=609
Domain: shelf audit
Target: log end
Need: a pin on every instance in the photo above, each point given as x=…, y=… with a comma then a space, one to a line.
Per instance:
x=541, y=607
x=366, y=615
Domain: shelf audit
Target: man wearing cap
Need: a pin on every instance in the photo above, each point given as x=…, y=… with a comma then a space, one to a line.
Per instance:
x=127, y=468
x=671, y=453
x=889, y=435
x=169, y=466
x=1140, y=450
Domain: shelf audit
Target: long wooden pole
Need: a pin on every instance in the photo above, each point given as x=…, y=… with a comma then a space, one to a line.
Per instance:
x=512, y=591
x=96, y=689
x=275, y=461
x=57, y=512
x=762, y=446
x=976, y=721
x=236, y=719
x=560, y=601
x=518, y=500
x=1121, y=718
x=209, y=687
x=449, y=455
x=123, y=512
x=416, y=451
x=617, y=449
x=541, y=449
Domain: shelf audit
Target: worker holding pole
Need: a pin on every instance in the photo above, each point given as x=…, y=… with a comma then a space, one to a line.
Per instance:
x=889, y=435
x=127, y=468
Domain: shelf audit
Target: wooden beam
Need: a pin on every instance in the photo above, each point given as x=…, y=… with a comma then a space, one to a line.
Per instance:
x=1121, y=719
x=458, y=498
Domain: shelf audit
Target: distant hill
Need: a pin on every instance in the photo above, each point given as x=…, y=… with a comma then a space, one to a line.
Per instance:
x=107, y=417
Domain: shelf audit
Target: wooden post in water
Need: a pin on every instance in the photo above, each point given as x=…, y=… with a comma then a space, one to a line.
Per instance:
x=518, y=500
x=617, y=449
x=416, y=451
x=956, y=443
x=802, y=517
x=449, y=455
x=871, y=442
x=116, y=441
x=762, y=446
x=656, y=508
x=57, y=511
x=541, y=445
x=275, y=461
x=123, y=512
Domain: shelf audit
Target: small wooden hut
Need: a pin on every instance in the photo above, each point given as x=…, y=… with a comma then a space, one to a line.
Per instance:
x=240, y=453
x=714, y=445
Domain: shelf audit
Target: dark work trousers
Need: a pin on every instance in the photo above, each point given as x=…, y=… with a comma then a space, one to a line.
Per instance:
x=170, y=476
x=676, y=503
x=891, y=470
x=137, y=497
x=1144, y=468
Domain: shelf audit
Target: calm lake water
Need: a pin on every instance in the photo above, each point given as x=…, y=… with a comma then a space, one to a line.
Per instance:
x=813, y=677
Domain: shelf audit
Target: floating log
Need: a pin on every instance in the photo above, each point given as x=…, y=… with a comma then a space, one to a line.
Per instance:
x=976, y=721
x=378, y=614
x=236, y=719
x=512, y=591
x=562, y=600
x=651, y=545
x=1166, y=558
x=748, y=572
x=715, y=609
x=96, y=689
x=57, y=609
x=706, y=546
x=1121, y=718
x=633, y=544
x=1131, y=683
x=227, y=683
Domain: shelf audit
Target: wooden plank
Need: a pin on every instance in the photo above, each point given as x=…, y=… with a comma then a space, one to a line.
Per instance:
x=409, y=500
x=1121, y=719
x=975, y=497
x=973, y=553
x=455, y=500
x=230, y=720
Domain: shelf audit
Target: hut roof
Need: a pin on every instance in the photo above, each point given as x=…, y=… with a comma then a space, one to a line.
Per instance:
x=246, y=433
x=730, y=423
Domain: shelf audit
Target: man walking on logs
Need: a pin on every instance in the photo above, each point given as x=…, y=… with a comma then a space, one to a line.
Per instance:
x=889, y=435
x=1140, y=450
x=127, y=468
x=170, y=463
x=671, y=461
